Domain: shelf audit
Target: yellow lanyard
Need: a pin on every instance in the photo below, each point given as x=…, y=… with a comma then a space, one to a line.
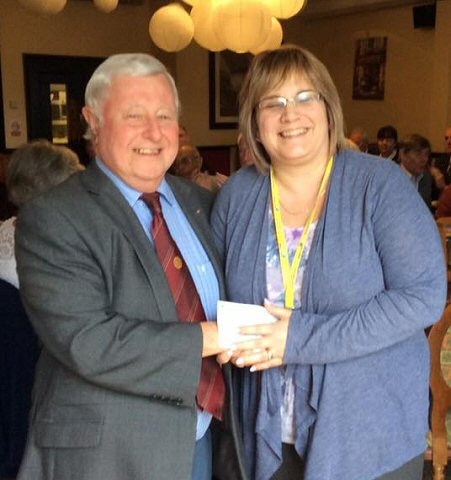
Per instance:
x=290, y=272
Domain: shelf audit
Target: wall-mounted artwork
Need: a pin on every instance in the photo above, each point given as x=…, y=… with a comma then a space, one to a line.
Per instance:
x=227, y=71
x=369, y=69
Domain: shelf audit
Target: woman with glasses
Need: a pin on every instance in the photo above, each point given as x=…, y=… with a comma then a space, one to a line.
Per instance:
x=341, y=249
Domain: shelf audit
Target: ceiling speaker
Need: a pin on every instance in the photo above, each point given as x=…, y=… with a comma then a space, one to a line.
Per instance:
x=424, y=16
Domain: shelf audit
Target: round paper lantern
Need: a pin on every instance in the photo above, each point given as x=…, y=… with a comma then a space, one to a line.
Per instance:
x=202, y=16
x=274, y=40
x=285, y=8
x=171, y=28
x=49, y=7
x=242, y=24
x=106, y=6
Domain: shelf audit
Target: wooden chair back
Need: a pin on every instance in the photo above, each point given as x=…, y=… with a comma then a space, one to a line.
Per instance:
x=440, y=383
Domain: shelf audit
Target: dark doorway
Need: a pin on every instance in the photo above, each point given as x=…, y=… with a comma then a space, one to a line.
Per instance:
x=2, y=123
x=54, y=89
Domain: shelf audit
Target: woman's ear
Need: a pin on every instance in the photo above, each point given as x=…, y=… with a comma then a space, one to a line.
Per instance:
x=257, y=136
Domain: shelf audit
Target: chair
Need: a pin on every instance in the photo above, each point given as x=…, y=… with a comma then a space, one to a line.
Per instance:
x=440, y=383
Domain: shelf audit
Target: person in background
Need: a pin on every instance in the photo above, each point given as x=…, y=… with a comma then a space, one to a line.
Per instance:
x=7, y=209
x=444, y=203
x=349, y=144
x=360, y=138
x=438, y=181
x=414, y=152
x=184, y=137
x=244, y=154
x=33, y=169
x=188, y=164
x=387, y=140
x=443, y=161
x=345, y=255
x=119, y=275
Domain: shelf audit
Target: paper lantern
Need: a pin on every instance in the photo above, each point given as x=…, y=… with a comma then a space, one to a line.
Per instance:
x=204, y=34
x=48, y=7
x=242, y=24
x=274, y=40
x=285, y=8
x=106, y=6
x=171, y=28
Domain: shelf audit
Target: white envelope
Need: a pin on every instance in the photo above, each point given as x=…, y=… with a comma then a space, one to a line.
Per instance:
x=231, y=316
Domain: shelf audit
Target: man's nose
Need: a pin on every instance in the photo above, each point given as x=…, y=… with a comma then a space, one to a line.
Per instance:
x=152, y=128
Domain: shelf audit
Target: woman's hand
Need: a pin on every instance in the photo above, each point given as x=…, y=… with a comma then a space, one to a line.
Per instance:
x=266, y=351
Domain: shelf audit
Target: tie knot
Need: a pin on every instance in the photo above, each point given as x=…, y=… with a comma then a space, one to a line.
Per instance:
x=152, y=200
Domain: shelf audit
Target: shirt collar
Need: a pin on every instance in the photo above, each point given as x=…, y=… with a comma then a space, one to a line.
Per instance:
x=412, y=177
x=131, y=194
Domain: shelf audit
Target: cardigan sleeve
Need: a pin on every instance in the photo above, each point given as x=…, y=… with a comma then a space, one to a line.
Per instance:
x=408, y=253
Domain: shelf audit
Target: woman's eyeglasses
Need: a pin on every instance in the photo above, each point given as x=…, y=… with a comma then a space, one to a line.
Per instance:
x=278, y=104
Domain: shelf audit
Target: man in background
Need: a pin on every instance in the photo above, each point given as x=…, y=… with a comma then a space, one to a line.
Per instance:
x=414, y=151
x=360, y=138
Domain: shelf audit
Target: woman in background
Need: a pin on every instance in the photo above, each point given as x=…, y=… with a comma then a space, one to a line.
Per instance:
x=350, y=262
x=33, y=169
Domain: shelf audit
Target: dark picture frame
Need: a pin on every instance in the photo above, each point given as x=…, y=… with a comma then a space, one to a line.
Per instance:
x=369, y=69
x=226, y=73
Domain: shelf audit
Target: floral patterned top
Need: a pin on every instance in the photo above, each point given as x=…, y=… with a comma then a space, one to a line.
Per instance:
x=8, y=270
x=276, y=294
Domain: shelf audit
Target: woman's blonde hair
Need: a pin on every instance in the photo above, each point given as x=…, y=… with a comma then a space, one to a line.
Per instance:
x=268, y=70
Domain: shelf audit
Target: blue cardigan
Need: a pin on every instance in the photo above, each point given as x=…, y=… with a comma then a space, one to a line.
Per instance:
x=375, y=279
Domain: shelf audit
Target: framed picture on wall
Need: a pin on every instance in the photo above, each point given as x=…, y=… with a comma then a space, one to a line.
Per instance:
x=226, y=73
x=369, y=69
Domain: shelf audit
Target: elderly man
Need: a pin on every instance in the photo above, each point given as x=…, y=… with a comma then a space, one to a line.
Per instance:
x=414, y=151
x=188, y=164
x=360, y=138
x=119, y=277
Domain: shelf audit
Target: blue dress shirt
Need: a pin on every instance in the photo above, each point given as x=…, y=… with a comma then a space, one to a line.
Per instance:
x=189, y=245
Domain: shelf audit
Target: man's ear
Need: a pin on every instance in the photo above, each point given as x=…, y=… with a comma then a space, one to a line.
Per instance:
x=91, y=119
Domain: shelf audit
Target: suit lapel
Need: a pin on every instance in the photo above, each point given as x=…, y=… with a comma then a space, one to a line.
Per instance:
x=112, y=203
x=110, y=200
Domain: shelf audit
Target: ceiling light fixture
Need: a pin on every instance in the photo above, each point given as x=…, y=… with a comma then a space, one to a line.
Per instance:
x=52, y=7
x=237, y=25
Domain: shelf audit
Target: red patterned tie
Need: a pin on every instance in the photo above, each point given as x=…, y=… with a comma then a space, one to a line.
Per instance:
x=211, y=391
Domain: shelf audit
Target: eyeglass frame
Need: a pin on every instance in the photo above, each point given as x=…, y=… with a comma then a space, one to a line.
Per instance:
x=313, y=96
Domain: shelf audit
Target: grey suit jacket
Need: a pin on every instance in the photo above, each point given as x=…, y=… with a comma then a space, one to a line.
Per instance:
x=115, y=385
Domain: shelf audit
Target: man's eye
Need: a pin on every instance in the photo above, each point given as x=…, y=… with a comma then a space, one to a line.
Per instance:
x=134, y=116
